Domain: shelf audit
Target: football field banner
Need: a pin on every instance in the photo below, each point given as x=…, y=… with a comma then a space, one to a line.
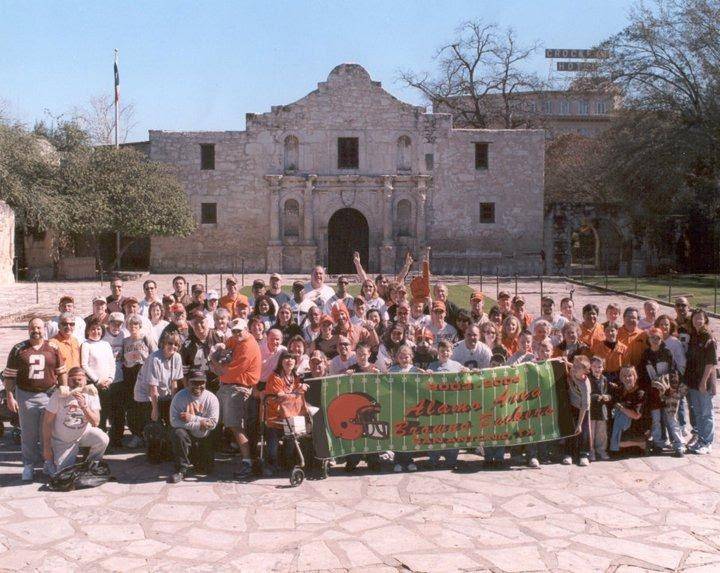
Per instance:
x=502, y=406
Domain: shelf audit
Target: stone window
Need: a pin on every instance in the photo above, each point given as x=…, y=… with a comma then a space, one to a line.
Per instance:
x=487, y=213
x=481, y=156
x=429, y=161
x=348, y=153
x=547, y=107
x=404, y=147
x=207, y=156
x=601, y=107
x=564, y=107
x=403, y=214
x=291, y=219
x=583, y=107
x=291, y=153
x=208, y=213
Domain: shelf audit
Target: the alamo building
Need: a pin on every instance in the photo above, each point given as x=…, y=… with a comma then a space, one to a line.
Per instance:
x=348, y=168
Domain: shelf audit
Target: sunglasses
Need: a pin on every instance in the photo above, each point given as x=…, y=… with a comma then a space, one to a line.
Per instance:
x=67, y=324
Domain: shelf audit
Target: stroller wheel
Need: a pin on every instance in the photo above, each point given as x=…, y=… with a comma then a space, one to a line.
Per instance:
x=325, y=472
x=297, y=476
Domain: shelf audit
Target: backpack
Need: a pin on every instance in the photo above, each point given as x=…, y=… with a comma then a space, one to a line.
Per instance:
x=82, y=475
x=157, y=440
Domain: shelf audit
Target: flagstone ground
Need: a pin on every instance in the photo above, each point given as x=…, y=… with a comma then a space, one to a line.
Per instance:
x=640, y=514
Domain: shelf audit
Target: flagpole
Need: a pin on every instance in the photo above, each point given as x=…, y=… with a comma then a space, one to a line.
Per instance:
x=117, y=111
x=117, y=144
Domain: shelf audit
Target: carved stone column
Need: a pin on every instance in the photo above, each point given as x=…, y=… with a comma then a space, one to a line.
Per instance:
x=387, y=249
x=274, y=248
x=421, y=225
x=308, y=200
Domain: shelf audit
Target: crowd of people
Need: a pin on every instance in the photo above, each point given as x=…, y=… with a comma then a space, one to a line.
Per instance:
x=201, y=365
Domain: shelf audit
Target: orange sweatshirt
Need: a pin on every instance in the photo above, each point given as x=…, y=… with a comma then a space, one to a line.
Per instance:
x=614, y=358
x=246, y=362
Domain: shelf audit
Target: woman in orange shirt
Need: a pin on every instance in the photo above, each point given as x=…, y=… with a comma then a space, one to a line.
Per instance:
x=511, y=334
x=284, y=383
x=590, y=329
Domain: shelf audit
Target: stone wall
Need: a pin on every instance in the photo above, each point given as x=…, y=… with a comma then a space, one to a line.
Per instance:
x=7, y=243
x=254, y=178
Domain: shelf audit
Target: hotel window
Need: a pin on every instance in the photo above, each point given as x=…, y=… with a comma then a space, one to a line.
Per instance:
x=207, y=156
x=481, y=156
x=487, y=213
x=348, y=153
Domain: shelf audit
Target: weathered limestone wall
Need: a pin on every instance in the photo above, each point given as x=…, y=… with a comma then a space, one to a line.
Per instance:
x=7, y=243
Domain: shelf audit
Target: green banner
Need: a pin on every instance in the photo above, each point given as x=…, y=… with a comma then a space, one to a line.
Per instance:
x=503, y=406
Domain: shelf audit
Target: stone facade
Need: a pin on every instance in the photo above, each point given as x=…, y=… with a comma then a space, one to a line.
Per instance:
x=276, y=187
x=7, y=243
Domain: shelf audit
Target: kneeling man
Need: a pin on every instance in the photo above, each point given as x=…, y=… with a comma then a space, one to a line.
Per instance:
x=194, y=412
x=70, y=423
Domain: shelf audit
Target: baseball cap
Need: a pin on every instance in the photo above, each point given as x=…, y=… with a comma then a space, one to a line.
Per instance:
x=231, y=280
x=438, y=304
x=503, y=294
x=116, y=317
x=518, y=300
x=177, y=307
x=99, y=299
x=275, y=276
x=212, y=295
x=477, y=296
x=238, y=324
x=196, y=375
x=129, y=300
x=422, y=332
x=257, y=283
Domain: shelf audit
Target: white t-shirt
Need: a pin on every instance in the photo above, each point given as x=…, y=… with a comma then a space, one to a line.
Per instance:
x=70, y=423
x=478, y=357
x=347, y=300
x=269, y=361
x=98, y=360
x=319, y=295
x=158, y=371
x=339, y=366
x=116, y=343
x=447, y=332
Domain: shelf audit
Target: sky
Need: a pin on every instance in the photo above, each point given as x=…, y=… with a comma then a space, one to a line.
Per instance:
x=203, y=65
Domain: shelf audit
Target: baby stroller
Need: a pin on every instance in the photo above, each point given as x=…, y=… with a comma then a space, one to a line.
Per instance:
x=295, y=422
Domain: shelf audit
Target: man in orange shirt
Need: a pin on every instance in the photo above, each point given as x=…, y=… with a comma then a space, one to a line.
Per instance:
x=238, y=379
x=590, y=329
x=632, y=336
x=64, y=341
x=611, y=351
x=229, y=300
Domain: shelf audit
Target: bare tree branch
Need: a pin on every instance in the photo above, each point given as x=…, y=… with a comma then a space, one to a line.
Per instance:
x=97, y=117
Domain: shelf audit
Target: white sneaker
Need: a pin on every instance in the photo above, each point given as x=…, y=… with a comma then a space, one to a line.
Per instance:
x=398, y=468
x=693, y=440
x=411, y=467
x=533, y=463
x=566, y=461
x=584, y=462
x=702, y=450
x=28, y=472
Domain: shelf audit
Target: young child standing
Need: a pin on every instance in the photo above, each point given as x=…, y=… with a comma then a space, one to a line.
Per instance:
x=599, y=399
x=579, y=445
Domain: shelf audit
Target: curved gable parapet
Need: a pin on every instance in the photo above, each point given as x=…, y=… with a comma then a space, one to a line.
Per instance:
x=348, y=91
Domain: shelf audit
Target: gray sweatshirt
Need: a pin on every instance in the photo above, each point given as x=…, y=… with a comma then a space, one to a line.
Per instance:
x=205, y=407
x=579, y=393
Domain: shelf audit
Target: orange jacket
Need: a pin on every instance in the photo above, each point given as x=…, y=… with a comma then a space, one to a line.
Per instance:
x=636, y=344
x=591, y=335
x=276, y=385
x=244, y=369
x=228, y=302
x=614, y=358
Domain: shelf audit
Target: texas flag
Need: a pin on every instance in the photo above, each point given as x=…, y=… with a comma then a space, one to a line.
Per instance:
x=117, y=80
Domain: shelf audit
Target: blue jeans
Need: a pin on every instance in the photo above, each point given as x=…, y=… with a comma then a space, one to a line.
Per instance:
x=681, y=412
x=621, y=423
x=273, y=437
x=494, y=453
x=450, y=456
x=702, y=414
x=659, y=418
x=31, y=408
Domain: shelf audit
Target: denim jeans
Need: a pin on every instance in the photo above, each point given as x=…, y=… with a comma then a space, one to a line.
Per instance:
x=494, y=453
x=580, y=446
x=621, y=423
x=31, y=407
x=702, y=415
x=661, y=418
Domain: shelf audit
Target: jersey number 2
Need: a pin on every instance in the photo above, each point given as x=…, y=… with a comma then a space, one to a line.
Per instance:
x=37, y=367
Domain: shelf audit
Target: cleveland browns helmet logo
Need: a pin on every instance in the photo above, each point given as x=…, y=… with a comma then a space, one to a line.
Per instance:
x=354, y=415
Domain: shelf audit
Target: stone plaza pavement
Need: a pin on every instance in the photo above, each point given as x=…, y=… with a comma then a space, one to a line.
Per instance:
x=639, y=514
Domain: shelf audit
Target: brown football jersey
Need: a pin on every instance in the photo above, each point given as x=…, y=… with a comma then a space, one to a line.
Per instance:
x=34, y=369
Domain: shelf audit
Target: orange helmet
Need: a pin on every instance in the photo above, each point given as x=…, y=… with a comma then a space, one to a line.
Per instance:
x=353, y=416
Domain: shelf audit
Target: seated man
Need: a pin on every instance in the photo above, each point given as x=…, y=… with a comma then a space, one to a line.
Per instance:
x=194, y=412
x=70, y=423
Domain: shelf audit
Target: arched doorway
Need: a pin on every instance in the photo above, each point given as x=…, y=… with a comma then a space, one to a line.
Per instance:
x=347, y=232
x=585, y=247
